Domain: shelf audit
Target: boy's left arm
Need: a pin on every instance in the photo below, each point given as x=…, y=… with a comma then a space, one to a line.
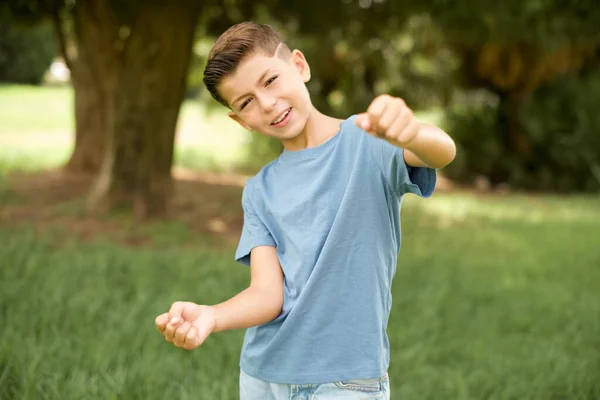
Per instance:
x=424, y=145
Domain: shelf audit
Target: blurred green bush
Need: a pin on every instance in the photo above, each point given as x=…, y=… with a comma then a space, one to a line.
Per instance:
x=561, y=123
x=26, y=52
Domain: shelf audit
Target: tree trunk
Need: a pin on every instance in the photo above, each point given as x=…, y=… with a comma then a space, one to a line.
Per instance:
x=90, y=123
x=143, y=105
x=85, y=50
x=514, y=137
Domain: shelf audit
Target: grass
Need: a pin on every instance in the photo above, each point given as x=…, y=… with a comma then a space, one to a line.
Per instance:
x=78, y=322
x=484, y=308
x=31, y=109
x=36, y=125
x=495, y=298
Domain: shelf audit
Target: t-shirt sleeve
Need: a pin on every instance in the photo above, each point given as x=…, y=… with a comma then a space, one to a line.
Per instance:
x=254, y=231
x=401, y=177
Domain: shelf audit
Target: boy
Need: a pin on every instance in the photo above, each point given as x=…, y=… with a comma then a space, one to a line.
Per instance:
x=321, y=228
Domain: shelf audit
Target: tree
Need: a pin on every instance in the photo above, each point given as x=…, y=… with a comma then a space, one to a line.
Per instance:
x=25, y=53
x=513, y=48
x=129, y=64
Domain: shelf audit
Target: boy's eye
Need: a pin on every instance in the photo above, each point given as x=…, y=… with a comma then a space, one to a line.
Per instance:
x=245, y=103
x=271, y=80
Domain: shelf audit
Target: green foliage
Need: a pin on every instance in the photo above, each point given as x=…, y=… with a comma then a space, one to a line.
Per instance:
x=473, y=124
x=31, y=11
x=78, y=318
x=541, y=23
x=25, y=52
x=560, y=122
x=563, y=123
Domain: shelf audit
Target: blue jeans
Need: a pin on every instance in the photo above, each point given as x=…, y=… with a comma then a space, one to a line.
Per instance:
x=358, y=389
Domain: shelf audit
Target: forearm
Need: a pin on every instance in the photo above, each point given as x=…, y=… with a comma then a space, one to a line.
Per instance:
x=254, y=306
x=432, y=146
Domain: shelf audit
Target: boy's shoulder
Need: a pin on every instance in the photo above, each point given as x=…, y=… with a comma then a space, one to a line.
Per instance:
x=255, y=181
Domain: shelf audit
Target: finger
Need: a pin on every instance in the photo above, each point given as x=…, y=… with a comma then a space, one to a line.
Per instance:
x=172, y=326
x=376, y=109
x=175, y=318
x=176, y=310
x=391, y=113
x=170, y=330
x=181, y=333
x=191, y=339
x=161, y=322
x=362, y=121
x=400, y=123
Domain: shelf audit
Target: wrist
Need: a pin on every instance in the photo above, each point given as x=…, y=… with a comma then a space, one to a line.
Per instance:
x=212, y=317
x=413, y=144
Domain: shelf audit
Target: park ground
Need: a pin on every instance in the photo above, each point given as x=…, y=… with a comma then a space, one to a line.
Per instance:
x=496, y=296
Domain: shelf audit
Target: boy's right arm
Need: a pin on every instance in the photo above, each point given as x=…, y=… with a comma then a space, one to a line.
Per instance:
x=260, y=303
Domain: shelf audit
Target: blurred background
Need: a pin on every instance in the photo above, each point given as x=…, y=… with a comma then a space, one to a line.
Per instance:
x=121, y=180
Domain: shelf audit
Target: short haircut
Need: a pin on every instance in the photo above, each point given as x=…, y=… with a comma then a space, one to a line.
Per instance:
x=235, y=44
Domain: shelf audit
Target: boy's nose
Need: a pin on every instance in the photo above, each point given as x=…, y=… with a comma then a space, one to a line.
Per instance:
x=268, y=103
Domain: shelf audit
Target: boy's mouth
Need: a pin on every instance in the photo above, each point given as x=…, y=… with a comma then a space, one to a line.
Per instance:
x=282, y=117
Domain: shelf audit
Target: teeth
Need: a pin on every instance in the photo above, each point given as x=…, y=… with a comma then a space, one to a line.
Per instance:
x=278, y=120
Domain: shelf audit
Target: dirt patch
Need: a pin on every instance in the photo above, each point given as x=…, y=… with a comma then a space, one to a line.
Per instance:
x=54, y=202
x=206, y=205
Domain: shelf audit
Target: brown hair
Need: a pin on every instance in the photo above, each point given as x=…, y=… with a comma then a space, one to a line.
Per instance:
x=233, y=46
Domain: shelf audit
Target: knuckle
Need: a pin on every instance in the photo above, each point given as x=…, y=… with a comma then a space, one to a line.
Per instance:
x=374, y=111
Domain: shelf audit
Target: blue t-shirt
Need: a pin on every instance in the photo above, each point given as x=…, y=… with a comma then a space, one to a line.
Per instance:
x=333, y=213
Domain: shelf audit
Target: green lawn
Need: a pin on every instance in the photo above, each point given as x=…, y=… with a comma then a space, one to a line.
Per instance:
x=495, y=298
x=485, y=307
x=29, y=109
x=36, y=132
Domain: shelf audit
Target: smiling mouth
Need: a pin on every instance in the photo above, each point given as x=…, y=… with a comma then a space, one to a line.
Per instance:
x=282, y=116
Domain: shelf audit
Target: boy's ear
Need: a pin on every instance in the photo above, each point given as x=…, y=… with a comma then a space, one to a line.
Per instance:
x=237, y=119
x=301, y=65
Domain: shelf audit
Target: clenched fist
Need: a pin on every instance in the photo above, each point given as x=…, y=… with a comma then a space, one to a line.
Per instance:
x=390, y=118
x=186, y=325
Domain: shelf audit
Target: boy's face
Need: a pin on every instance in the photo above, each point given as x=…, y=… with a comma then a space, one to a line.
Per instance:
x=268, y=94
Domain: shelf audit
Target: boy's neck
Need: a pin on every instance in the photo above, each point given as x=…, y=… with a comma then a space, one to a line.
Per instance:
x=319, y=128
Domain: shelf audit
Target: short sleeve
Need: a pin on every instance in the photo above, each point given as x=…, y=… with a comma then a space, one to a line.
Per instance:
x=254, y=231
x=401, y=177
